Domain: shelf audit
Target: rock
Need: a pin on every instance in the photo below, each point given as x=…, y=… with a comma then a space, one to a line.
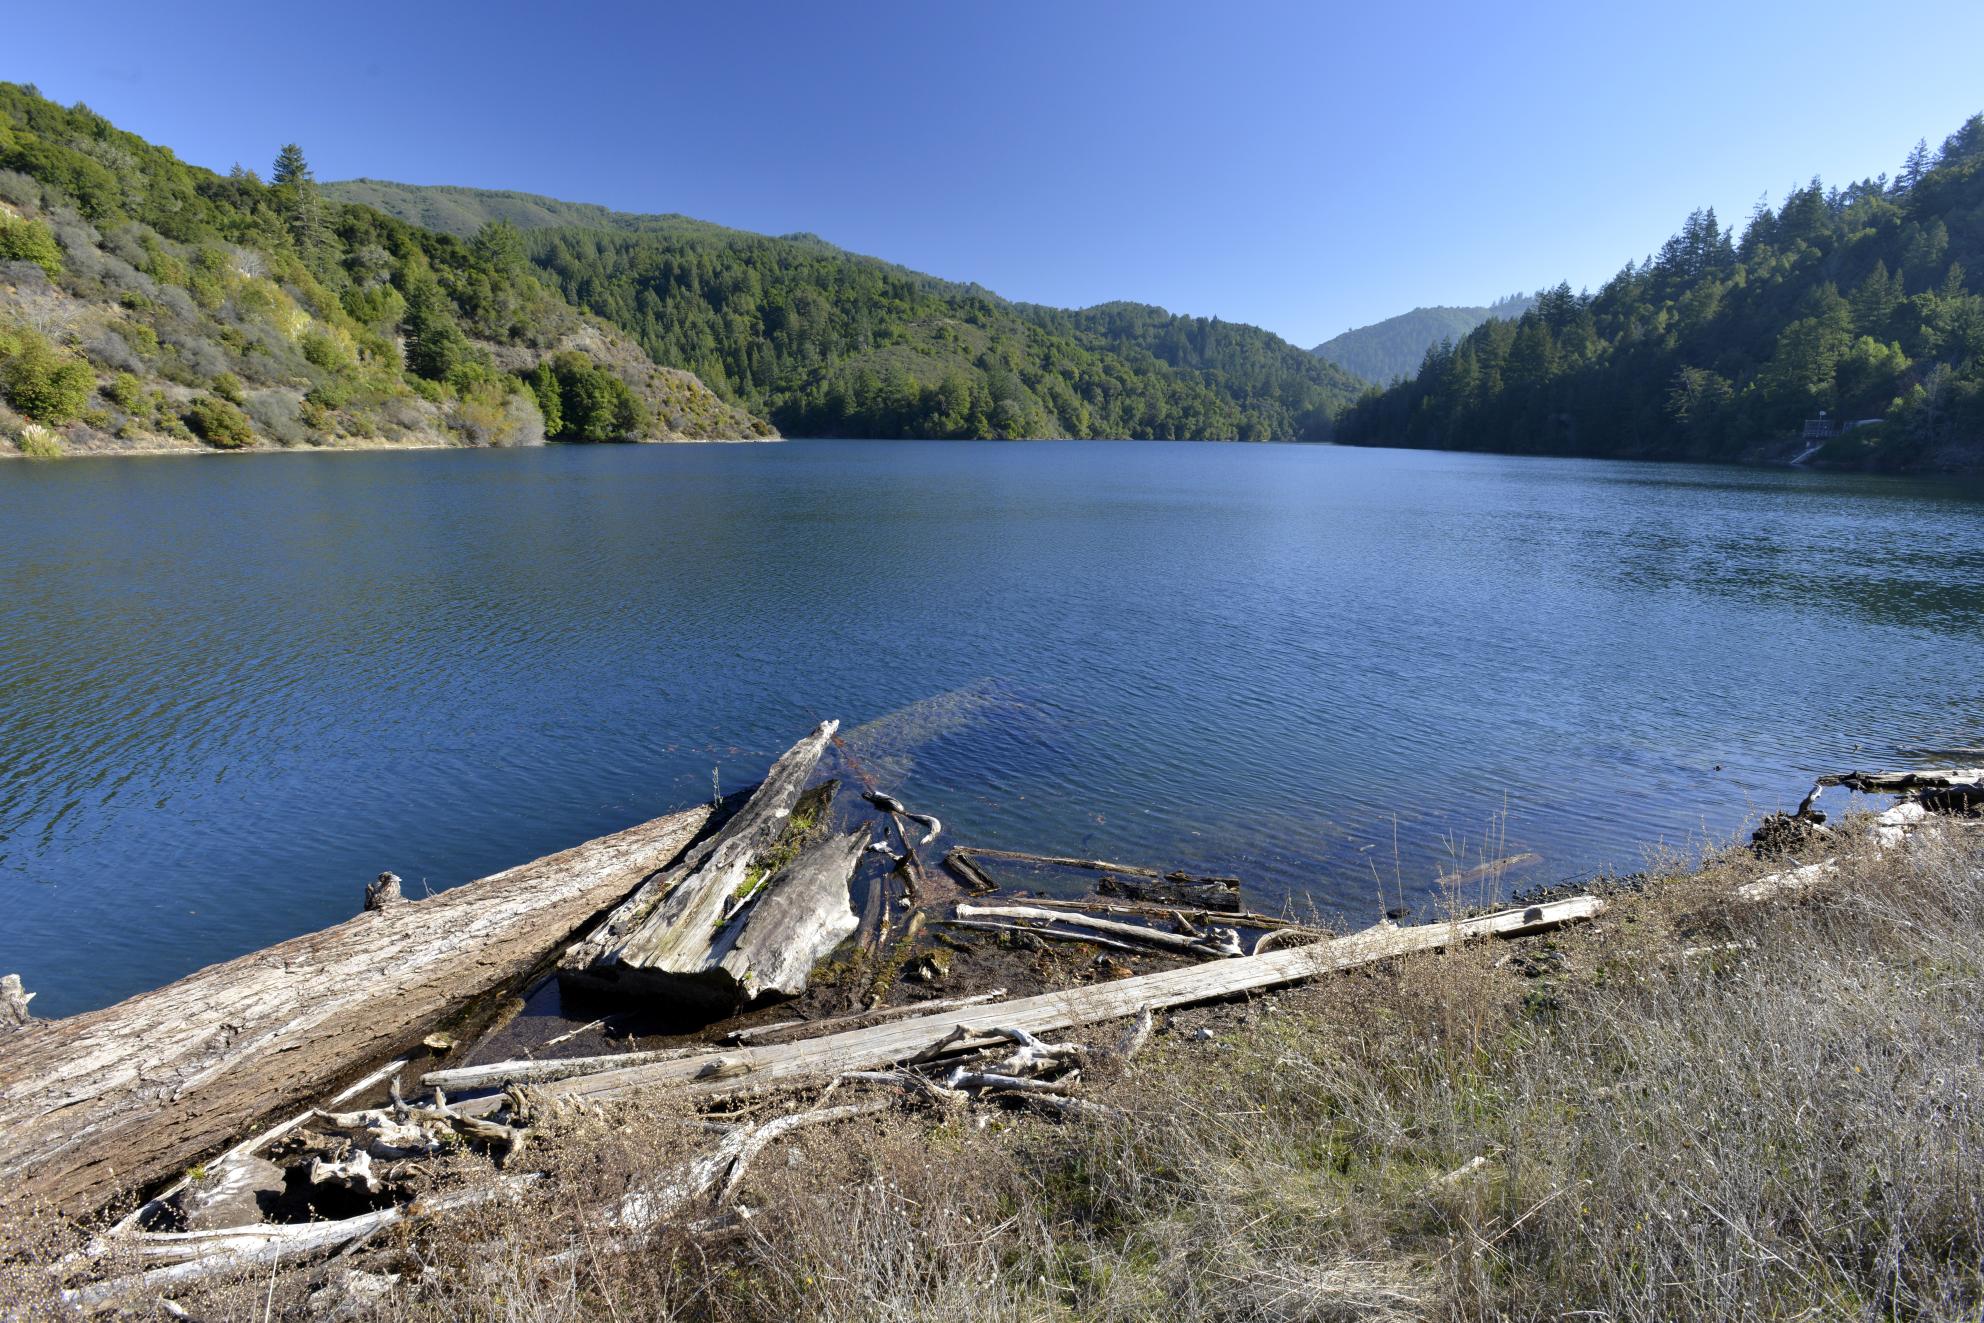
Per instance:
x=235, y=1195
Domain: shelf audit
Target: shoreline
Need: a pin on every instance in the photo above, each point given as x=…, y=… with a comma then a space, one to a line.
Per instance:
x=187, y=450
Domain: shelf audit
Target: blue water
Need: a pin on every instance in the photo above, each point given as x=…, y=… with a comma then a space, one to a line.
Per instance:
x=233, y=689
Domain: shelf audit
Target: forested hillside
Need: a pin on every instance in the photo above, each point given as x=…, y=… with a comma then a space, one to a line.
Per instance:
x=1866, y=302
x=830, y=343
x=1395, y=347
x=146, y=303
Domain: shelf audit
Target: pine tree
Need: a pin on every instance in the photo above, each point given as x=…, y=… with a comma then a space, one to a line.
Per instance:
x=1914, y=167
x=291, y=168
x=297, y=200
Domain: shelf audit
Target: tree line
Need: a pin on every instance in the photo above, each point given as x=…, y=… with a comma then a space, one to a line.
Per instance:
x=1864, y=302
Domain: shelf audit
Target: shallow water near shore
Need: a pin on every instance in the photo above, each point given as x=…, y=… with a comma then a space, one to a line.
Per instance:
x=232, y=692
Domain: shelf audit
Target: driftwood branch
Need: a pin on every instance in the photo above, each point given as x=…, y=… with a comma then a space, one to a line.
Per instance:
x=496, y=1074
x=1198, y=946
x=1057, y=934
x=190, y=1256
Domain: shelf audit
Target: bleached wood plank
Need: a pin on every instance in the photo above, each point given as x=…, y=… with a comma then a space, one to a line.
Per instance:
x=747, y=1067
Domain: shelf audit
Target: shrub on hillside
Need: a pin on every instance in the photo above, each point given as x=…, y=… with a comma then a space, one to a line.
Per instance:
x=41, y=381
x=219, y=423
x=24, y=240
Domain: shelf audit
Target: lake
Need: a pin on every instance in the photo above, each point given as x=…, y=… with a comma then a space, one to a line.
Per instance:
x=233, y=689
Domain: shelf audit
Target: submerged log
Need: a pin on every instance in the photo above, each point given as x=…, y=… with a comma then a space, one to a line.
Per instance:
x=116, y=1099
x=660, y=940
x=969, y=852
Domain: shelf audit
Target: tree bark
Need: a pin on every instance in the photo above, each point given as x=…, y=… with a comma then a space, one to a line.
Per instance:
x=117, y=1099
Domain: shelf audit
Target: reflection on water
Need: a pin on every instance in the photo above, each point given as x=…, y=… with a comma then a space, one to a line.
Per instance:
x=232, y=690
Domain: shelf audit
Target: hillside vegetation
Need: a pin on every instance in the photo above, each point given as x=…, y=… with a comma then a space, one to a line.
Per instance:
x=1395, y=347
x=146, y=303
x=829, y=343
x=1866, y=302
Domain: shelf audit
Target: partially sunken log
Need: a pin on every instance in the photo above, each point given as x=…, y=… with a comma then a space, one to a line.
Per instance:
x=112, y=1101
x=662, y=941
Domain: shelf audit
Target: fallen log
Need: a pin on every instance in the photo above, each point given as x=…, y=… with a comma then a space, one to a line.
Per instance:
x=111, y=1101
x=659, y=941
x=1192, y=895
x=779, y=1064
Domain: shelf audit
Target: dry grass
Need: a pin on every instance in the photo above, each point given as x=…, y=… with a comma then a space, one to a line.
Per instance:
x=1690, y=1110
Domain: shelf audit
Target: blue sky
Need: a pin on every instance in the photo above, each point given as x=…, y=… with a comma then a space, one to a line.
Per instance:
x=1305, y=167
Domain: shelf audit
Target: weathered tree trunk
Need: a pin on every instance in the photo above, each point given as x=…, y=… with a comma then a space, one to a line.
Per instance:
x=800, y=915
x=111, y=1101
x=660, y=941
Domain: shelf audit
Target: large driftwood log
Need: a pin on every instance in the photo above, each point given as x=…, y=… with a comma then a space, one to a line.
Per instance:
x=659, y=940
x=114, y=1100
x=744, y=1068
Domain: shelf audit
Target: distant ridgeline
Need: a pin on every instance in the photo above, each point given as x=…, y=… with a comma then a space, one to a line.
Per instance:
x=829, y=343
x=1395, y=347
x=144, y=301
x=1860, y=303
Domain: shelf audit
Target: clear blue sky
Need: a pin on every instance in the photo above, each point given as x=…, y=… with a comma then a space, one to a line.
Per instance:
x=1305, y=167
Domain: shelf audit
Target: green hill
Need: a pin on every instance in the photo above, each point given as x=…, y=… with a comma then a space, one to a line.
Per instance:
x=149, y=304
x=1864, y=303
x=1394, y=348
x=828, y=342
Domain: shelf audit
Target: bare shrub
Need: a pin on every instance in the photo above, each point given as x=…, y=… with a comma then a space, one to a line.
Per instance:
x=110, y=351
x=276, y=415
x=19, y=189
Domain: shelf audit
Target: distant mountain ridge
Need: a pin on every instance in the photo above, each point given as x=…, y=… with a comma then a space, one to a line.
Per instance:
x=827, y=342
x=1395, y=347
